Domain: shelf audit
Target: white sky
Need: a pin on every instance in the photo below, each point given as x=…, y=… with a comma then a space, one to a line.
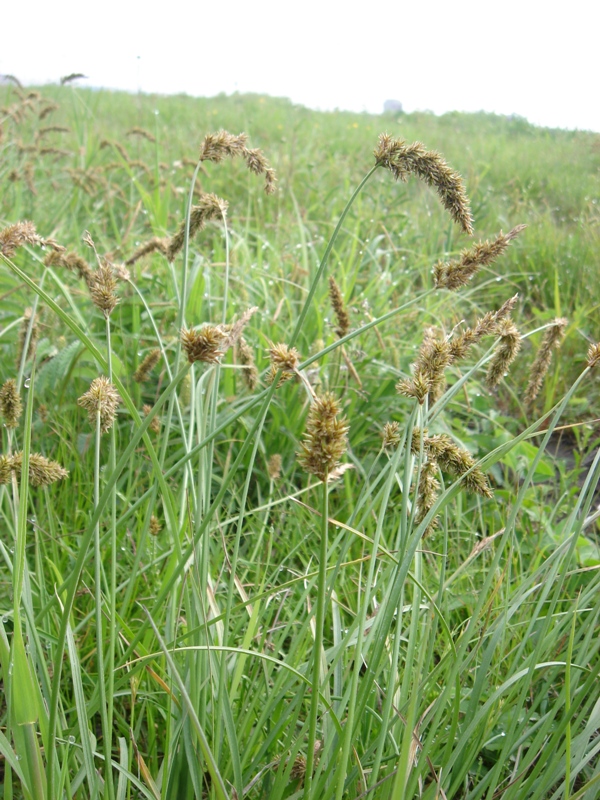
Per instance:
x=539, y=59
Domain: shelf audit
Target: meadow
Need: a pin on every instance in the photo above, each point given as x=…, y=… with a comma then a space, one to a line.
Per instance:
x=300, y=455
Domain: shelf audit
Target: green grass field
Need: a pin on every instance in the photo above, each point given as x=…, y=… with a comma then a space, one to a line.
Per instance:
x=335, y=556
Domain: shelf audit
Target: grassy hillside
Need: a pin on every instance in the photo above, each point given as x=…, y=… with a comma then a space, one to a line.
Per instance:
x=283, y=537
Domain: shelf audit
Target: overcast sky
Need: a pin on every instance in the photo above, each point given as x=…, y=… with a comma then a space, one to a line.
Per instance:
x=536, y=59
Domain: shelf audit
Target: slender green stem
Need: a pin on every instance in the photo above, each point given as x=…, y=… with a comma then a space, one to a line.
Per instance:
x=318, y=662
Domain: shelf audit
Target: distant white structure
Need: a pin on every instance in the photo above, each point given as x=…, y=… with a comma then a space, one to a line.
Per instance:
x=392, y=107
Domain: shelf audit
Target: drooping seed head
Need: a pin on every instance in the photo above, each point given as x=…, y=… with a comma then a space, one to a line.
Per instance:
x=505, y=353
x=339, y=308
x=403, y=159
x=552, y=339
x=42, y=471
x=453, y=275
x=593, y=355
x=142, y=373
x=208, y=207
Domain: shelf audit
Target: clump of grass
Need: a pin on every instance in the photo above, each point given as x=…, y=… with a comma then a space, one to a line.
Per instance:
x=235, y=631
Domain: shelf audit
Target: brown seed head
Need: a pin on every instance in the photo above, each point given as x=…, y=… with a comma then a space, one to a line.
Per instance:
x=203, y=345
x=455, y=274
x=552, y=339
x=155, y=424
x=505, y=353
x=11, y=406
x=593, y=355
x=284, y=357
x=73, y=262
x=250, y=372
x=102, y=289
x=403, y=159
x=154, y=527
x=42, y=471
x=391, y=434
x=324, y=439
x=101, y=398
x=142, y=133
x=209, y=207
x=274, y=467
x=15, y=236
x=152, y=246
x=221, y=145
x=341, y=314
x=142, y=373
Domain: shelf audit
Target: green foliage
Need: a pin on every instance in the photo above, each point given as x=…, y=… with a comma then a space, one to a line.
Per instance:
x=196, y=621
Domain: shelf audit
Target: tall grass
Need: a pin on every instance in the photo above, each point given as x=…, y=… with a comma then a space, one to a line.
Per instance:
x=199, y=611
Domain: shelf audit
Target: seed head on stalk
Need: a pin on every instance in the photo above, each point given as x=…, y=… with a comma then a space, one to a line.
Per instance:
x=325, y=438
x=101, y=397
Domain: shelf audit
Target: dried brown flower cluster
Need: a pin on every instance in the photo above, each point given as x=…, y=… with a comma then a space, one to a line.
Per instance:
x=505, y=353
x=325, y=438
x=28, y=325
x=437, y=353
x=403, y=159
x=142, y=133
x=452, y=459
x=274, y=467
x=155, y=423
x=154, y=245
x=42, y=471
x=209, y=207
x=11, y=406
x=593, y=355
x=21, y=233
x=339, y=308
x=101, y=398
x=142, y=373
x=284, y=359
x=390, y=436
x=221, y=145
x=102, y=288
x=246, y=357
x=551, y=341
x=455, y=274
x=204, y=345
x=71, y=261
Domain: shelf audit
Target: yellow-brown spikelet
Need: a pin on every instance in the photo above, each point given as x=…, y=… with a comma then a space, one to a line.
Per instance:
x=339, y=308
x=49, y=109
x=142, y=133
x=209, y=207
x=11, y=406
x=203, y=345
x=155, y=424
x=155, y=244
x=42, y=471
x=102, y=289
x=325, y=438
x=154, y=528
x=221, y=145
x=274, y=467
x=19, y=234
x=71, y=261
x=258, y=164
x=102, y=397
x=28, y=325
x=485, y=326
x=390, y=435
x=505, y=353
x=283, y=358
x=427, y=493
x=234, y=330
x=403, y=159
x=453, y=275
x=118, y=147
x=250, y=372
x=417, y=387
x=552, y=338
x=458, y=461
x=73, y=76
x=142, y=373
x=593, y=355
